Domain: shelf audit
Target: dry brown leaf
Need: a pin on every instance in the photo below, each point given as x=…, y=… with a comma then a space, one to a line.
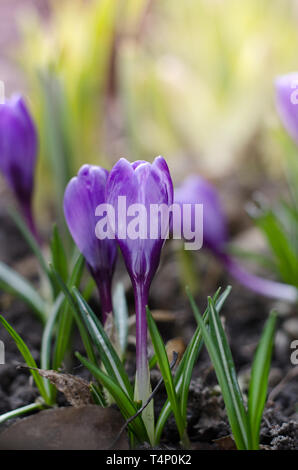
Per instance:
x=75, y=389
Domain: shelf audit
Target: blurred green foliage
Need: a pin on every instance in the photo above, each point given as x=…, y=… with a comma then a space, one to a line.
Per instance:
x=191, y=80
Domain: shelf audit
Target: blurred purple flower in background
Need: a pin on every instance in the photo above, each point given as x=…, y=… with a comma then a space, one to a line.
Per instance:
x=18, y=152
x=141, y=183
x=286, y=87
x=83, y=194
x=196, y=190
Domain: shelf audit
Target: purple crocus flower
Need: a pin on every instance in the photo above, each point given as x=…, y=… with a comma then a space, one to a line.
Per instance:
x=196, y=190
x=83, y=194
x=143, y=184
x=286, y=87
x=18, y=152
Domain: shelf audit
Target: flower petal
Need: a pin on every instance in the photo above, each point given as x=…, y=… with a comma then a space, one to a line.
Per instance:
x=287, y=102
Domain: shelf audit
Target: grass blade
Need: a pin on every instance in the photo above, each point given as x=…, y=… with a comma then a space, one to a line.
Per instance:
x=259, y=379
x=285, y=256
x=121, y=315
x=24, y=350
x=224, y=369
x=219, y=339
x=184, y=371
x=65, y=323
x=97, y=395
x=59, y=259
x=20, y=411
x=166, y=372
x=76, y=313
x=45, y=356
x=14, y=283
x=190, y=360
x=18, y=220
x=108, y=355
x=124, y=402
x=46, y=343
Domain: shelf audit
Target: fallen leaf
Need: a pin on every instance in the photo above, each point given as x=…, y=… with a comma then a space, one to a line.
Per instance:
x=76, y=390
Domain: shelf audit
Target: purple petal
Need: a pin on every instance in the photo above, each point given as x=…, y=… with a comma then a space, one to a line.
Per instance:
x=266, y=287
x=141, y=183
x=287, y=102
x=196, y=190
x=82, y=195
x=18, y=147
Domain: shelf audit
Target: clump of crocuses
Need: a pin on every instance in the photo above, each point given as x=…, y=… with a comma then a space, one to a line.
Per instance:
x=83, y=194
x=18, y=152
x=138, y=186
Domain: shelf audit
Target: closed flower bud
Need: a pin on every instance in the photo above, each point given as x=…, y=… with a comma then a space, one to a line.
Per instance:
x=196, y=190
x=141, y=186
x=83, y=194
x=18, y=152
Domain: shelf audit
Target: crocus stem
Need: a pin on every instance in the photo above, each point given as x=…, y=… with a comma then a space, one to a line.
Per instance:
x=266, y=287
x=105, y=295
x=143, y=386
x=141, y=300
x=29, y=219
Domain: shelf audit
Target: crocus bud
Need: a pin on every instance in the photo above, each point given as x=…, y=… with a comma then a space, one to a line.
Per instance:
x=146, y=185
x=196, y=190
x=286, y=87
x=18, y=151
x=83, y=194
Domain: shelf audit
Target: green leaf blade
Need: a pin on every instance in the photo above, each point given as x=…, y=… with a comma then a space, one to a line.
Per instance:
x=235, y=408
x=65, y=323
x=165, y=369
x=15, y=284
x=259, y=379
x=34, y=246
x=120, y=311
x=59, y=259
x=219, y=339
x=183, y=373
x=124, y=402
x=109, y=357
x=77, y=315
x=24, y=350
